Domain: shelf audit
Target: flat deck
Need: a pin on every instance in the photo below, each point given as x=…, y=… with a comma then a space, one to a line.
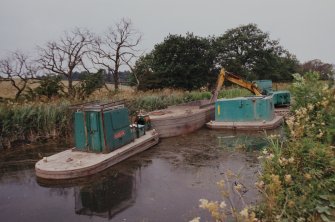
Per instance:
x=181, y=119
x=260, y=125
x=71, y=163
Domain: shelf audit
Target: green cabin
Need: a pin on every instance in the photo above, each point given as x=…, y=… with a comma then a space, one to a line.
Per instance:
x=280, y=98
x=101, y=127
x=244, y=109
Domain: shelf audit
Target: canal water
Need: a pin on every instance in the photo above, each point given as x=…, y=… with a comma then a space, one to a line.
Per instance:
x=163, y=183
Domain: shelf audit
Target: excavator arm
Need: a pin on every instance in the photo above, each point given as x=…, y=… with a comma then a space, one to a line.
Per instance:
x=234, y=79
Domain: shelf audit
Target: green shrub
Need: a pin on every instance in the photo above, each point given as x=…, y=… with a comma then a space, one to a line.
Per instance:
x=89, y=83
x=50, y=86
x=298, y=178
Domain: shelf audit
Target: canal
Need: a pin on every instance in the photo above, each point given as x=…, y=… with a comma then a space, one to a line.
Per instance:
x=163, y=183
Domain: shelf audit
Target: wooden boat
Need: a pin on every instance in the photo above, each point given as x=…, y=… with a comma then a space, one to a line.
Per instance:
x=72, y=163
x=182, y=119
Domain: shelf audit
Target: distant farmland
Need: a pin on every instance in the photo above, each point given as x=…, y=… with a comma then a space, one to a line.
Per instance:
x=8, y=91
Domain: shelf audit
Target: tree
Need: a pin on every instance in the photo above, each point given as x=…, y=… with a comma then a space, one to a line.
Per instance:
x=50, y=86
x=116, y=48
x=18, y=69
x=324, y=69
x=142, y=72
x=249, y=52
x=179, y=62
x=89, y=83
x=66, y=55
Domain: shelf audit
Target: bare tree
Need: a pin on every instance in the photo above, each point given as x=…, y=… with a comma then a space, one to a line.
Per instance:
x=66, y=55
x=116, y=48
x=324, y=69
x=18, y=69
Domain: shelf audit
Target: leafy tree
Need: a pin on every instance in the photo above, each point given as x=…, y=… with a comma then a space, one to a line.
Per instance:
x=50, y=86
x=143, y=76
x=324, y=69
x=90, y=83
x=249, y=52
x=179, y=62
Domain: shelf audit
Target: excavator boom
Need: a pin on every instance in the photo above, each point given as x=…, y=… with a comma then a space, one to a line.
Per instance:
x=234, y=79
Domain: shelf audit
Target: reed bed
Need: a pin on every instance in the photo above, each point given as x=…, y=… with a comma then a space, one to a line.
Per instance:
x=35, y=121
x=30, y=122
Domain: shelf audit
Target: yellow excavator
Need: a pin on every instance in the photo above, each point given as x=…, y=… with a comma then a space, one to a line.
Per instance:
x=252, y=87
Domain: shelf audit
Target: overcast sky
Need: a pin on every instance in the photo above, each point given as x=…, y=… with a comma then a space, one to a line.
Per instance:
x=304, y=27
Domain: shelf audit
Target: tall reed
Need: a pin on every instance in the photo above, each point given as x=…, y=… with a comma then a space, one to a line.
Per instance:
x=32, y=121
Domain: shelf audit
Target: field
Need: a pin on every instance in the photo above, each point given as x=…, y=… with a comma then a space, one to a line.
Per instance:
x=8, y=91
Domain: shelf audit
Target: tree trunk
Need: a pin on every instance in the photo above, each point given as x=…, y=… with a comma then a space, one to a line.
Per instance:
x=116, y=72
x=116, y=80
x=70, y=88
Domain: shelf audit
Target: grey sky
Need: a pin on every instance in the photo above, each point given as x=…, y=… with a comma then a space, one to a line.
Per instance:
x=305, y=27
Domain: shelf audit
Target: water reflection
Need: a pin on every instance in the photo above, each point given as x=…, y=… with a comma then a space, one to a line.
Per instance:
x=242, y=142
x=104, y=195
x=106, y=198
x=246, y=140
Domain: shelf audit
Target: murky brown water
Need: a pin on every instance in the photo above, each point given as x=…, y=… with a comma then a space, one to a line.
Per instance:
x=163, y=183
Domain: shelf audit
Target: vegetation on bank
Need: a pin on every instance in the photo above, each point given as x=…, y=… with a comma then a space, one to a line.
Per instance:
x=33, y=121
x=297, y=182
x=298, y=173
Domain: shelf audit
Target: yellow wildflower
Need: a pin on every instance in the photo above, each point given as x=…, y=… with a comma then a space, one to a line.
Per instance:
x=288, y=179
x=223, y=204
x=221, y=184
x=290, y=203
x=260, y=184
x=238, y=187
x=307, y=176
x=291, y=160
x=203, y=203
x=275, y=179
x=244, y=213
x=270, y=157
x=196, y=219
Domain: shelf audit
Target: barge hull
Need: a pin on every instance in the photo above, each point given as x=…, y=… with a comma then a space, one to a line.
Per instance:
x=182, y=119
x=71, y=164
x=251, y=125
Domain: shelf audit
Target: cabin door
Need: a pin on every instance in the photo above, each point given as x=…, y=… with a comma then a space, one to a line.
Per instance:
x=94, y=132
